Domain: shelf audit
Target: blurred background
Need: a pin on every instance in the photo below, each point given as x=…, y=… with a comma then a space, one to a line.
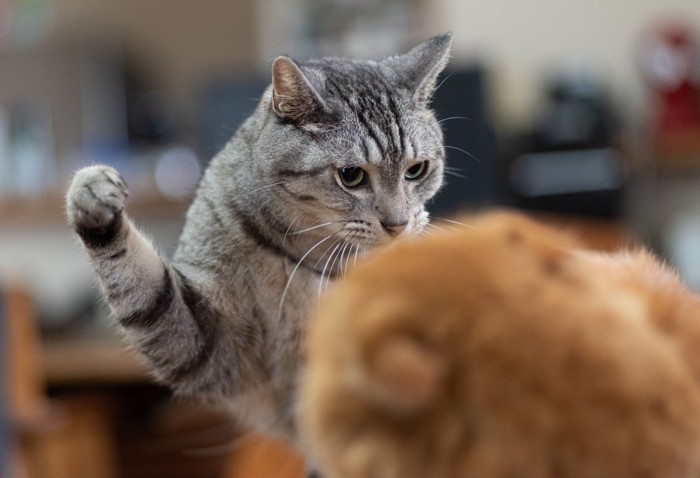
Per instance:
x=584, y=113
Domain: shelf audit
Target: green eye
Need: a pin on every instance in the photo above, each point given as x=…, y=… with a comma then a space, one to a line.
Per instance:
x=416, y=171
x=352, y=177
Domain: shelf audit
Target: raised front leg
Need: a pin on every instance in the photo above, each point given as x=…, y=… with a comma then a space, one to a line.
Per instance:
x=135, y=279
x=164, y=314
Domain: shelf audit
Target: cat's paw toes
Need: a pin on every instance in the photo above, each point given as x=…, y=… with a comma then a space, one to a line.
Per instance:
x=96, y=197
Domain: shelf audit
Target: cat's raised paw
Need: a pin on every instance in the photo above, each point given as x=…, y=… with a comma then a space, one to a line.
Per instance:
x=96, y=197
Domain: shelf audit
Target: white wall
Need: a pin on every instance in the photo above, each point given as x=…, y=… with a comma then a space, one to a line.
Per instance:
x=522, y=40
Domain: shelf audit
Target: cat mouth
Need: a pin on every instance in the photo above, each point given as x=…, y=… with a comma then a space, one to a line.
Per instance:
x=412, y=227
x=364, y=235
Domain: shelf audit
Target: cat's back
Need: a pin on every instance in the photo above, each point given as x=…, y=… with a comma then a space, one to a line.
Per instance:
x=500, y=350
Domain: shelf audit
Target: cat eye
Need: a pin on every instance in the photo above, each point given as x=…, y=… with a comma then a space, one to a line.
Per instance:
x=352, y=176
x=416, y=171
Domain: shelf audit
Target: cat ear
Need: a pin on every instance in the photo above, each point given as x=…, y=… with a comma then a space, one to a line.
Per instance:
x=404, y=375
x=419, y=68
x=293, y=97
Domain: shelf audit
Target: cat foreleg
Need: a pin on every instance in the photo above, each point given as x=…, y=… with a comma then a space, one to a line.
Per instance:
x=148, y=297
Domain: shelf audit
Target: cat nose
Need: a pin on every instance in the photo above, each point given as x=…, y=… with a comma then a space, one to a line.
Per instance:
x=394, y=229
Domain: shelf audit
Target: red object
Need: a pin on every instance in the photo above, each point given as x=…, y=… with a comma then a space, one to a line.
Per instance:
x=671, y=64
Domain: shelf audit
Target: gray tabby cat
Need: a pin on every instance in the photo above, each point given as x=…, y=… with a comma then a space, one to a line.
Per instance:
x=339, y=156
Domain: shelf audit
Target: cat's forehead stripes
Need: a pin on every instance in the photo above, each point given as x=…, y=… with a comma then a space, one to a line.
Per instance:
x=372, y=153
x=371, y=100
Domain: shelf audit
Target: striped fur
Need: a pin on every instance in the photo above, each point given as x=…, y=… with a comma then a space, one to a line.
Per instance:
x=270, y=225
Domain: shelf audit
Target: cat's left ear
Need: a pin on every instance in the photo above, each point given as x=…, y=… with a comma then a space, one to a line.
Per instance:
x=293, y=97
x=419, y=68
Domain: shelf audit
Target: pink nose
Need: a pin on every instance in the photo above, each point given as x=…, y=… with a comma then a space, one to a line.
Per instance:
x=394, y=229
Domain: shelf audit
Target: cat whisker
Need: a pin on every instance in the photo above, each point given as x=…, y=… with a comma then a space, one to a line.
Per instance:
x=433, y=227
x=335, y=244
x=295, y=233
x=463, y=151
x=291, y=276
x=427, y=232
x=451, y=221
x=454, y=118
x=347, y=260
x=441, y=83
x=325, y=277
x=339, y=255
x=291, y=224
x=447, y=227
x=422, y=220
x=454, y=172
x=341, y=267
x=452, y=168
x=339, y=259
x=357, y=251
x=336, y=254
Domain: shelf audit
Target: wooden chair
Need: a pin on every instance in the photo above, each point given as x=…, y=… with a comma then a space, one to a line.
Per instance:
x=52, y=438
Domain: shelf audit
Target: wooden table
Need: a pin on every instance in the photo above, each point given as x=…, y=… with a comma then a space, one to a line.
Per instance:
x=76, y=361
x=96, y=369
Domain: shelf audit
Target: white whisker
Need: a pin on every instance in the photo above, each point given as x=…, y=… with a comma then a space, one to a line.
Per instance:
x=337, y=244
x=347, y=260
x=357, y=251
x=284, y=239
x=454, y=118
x=432, y=228
x=441, y=83
x=427, y=232
x=437, y=228
x=463, y=151
x=454, y=172
x=336, y=258
x=334, y=243
x=339, y=259
x=338, y=254
x=291, y=276
x=453, y=222
x=341, y=267
x=316, y=227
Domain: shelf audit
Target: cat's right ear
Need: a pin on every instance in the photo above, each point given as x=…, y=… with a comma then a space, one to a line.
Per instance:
x=403, y=374
x=420, y=67
x=293, y=97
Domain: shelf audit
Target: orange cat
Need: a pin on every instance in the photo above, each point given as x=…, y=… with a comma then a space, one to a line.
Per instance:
x=504, y=350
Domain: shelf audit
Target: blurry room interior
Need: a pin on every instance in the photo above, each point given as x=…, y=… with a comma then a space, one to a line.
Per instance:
x=584, y=113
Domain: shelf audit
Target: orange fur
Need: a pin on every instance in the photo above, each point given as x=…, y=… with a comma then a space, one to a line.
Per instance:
x=504, y=350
